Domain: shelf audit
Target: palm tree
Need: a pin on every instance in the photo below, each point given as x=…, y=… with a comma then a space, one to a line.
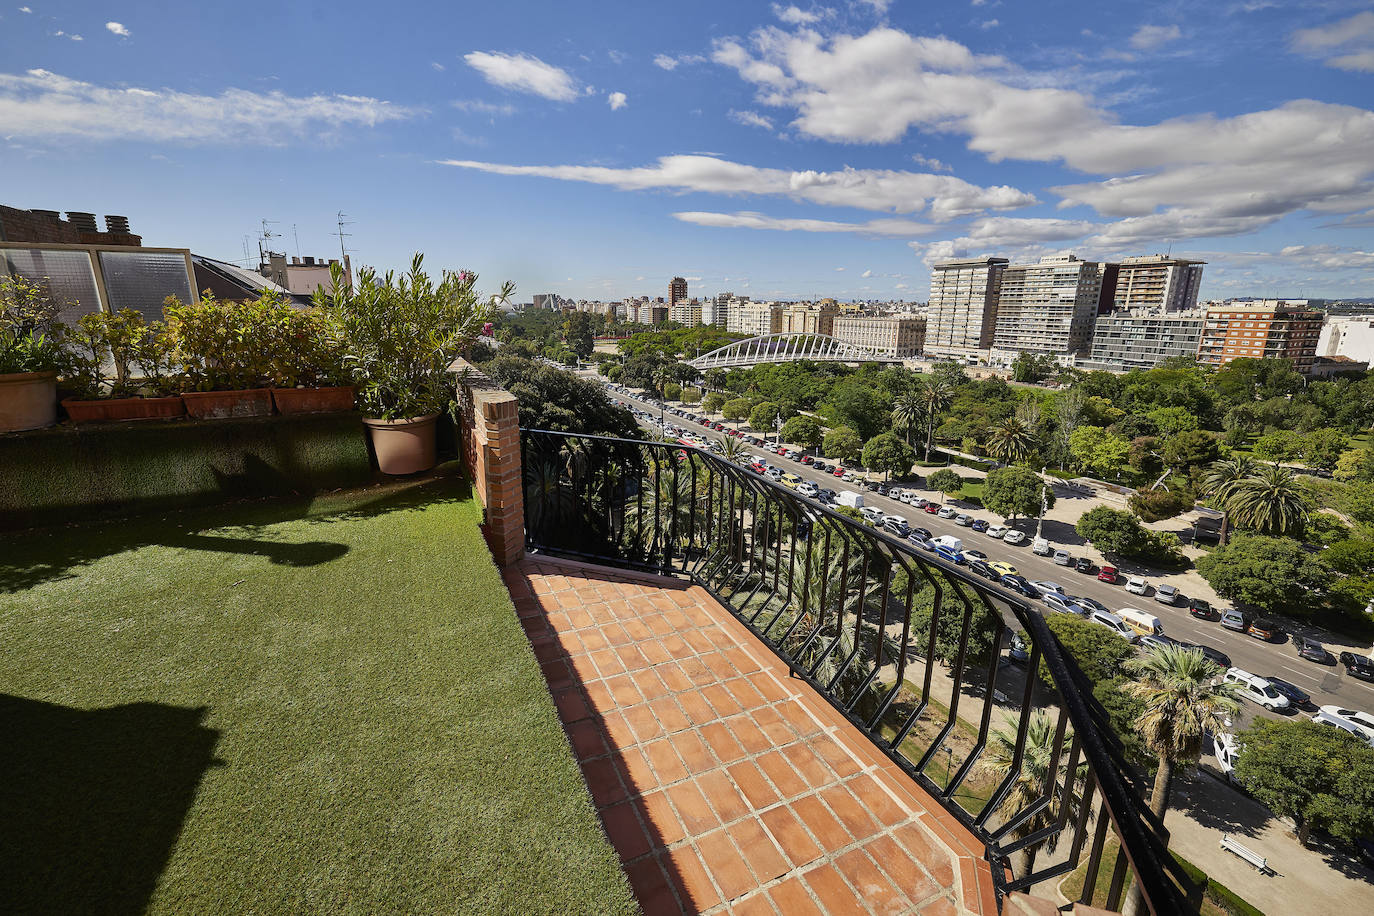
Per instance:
x=1183, y=700
x=935, y=394
x=1269, y=501
x=1220, y=481
x=1011, y=441
x=907, y=413
x=730, y=448
x=1030, y=781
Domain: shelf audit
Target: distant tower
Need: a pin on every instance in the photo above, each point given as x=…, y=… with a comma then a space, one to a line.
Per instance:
x=677, y=290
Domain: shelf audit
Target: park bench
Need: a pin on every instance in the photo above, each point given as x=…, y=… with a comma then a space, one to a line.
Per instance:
x=1246, y=853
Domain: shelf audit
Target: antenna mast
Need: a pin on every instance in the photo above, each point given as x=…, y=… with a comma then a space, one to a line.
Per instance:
x=342, y=235
x=267, y=236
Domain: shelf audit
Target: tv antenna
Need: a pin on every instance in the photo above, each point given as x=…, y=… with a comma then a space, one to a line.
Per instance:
x=267, y=236
x=342, y=221
x=295, y=235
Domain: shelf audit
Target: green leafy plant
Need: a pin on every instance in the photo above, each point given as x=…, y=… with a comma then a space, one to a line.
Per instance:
x=223, y=345
x=403, y=332
x=31, y=337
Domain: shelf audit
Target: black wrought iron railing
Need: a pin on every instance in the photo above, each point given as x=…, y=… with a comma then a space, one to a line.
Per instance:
x=958, y=681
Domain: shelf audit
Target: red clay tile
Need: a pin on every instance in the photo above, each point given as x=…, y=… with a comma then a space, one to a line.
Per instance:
x=689, y=875
x=745, y=692
x=726, y=748
x=639, y=775
x=599, y=695
x=791, y=836
x=624, y=831
x=829, y=832
x=557, y=674
x=830, y=888
x=584, y=668
x=650, y=684
x=603, y=779
x=698, y=640
x=792, y=899
x=571, y=706
x=608, y=663
x=586, y=740
x=720, y=791
x=904, y=871
x=615, y=634
x=696, y=672
x=670, y=715
x=812, y=768
x=726, y=865
x=667, y=766
x=644, y=722
x=624, y=691
x=873, y=887
x=755, y=788
x=676, y=647
x=696, y=707
x=617, y=729
x=840, y=760
x=749, y=734
x=664, y=827
x=654, y=653
x=782, y=775
x=697, y=816
x=937, y=861
x=759, y=850
x=756, y=905
x=637, y=629
x=673, y=678
x=876, y=798
x=768, y=685
x=774, y=726
x=631, y=657
x=941, y=907
x=721, y=700
x=592, y=640
x=850, y=811
x=720, y=665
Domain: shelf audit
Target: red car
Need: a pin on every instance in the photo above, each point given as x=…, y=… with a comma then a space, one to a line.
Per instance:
x=807, y=459
x=838, y=472
x=932, y=508
x=1107, y=574
x=780, y=450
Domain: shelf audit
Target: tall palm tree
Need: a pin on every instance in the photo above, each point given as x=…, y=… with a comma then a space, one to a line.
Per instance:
x=1011, y=441
x=935, y=394
x=1220, y=481
x=1184, y=701
x=907, y=413
x=1269, y=501
x=1030, y=780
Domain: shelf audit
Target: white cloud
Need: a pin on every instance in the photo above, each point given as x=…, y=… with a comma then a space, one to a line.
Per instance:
x=668, y=62
x=25, y=9
x=838, y=269
x=524, y=73
x=750, y=119
x=43, y=104
x=989, y=24
x=793, y=15
x=945, y=196
x=1347, y=44
x=617, y=100
x=61, y=34
x=437, y=66
x=1186, y=177
x=866, y=274
x=884, y=228
x=118, y=28
x=878, y=6
x=931, y=163
x=1149, y=37
x=477, y=106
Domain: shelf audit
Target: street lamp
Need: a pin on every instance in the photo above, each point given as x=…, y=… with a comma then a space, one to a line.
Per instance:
x=777, y=425
x=1040, y=521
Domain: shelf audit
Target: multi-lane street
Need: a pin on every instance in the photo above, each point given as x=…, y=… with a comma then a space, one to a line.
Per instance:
x=1327, y=684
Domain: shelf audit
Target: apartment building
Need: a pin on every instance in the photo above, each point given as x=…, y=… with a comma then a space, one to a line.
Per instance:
x=1347, y=336
x=1046, y=307
x=962, y=313
x=715, y=310
x=1158, y=283
x=685, y=312
x=756, y=319
x=1142, y=339
x=1261, y=329
x=677, y=290
x=817, y=318
x=894, y=336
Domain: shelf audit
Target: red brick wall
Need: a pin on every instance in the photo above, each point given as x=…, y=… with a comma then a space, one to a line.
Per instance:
x=27, y=226
x=489, y=439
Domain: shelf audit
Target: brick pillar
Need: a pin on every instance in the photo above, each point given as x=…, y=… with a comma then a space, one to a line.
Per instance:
x=489, y=438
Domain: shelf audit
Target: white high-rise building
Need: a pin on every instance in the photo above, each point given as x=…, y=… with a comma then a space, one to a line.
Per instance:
x=756, y=319
x=1157, y=283
x=1047, y=307
x=962, y=313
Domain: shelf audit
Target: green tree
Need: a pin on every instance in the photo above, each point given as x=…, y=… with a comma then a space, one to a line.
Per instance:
x=763, y=416
x=1280, y=445
x=843, y=444
x=1355, y=464
x=713, y=402
x=1157, y=505
x=907, y=414
x=1031, y=367
x=802, y=430
x=1184, y=700
x=1268, y=573
x=946, y=481
x=1015, y=491
x=1011, y=441
x=1172, y=420
x=1100, y=654
x=1113, y=531
x=1189, y=449
x=889, y=454
x=935, y=394
x=1034, y=764
x=1321, y=777
x=691, y=395
x=1322, y=448
x=558, y=400
x=736, y=409
x=672, y=391
x=577, y=333
x=855, y=403
x=1099, y=451
x=1269, y=501
x=1219, y=484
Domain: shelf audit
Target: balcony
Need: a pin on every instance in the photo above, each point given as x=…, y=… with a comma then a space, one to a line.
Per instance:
x=821, y=630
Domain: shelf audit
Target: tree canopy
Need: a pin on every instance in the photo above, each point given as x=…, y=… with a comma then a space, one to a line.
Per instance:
x=945, y=481
x=1268, y=573
x=802, y=430
x=889, y=454
x=1014, y=491
x=843, y=444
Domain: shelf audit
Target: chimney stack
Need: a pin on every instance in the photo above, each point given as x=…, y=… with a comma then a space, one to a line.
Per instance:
x=83, y=222
x=53, y=215
x=118, y=224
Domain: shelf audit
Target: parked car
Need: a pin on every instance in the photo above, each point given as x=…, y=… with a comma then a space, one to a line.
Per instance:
x=1061, y=603
x=1136, y=585
x=1018, y=584
x=962, y=520
x=1044, y=587
x=1227, y=750
x=982, y=568
x=975, y=554
x=1234, y=620
x=932, y=508
x=1256, y=689
x=1107, y=574
x=1017, y=650
x=1360, y=724
x=807, y=459
x=997, y=531
x=838, y=472
x=945, y=552
x=1089, y=604
x=947, y=512
x=924, y=533
x=1154, y=641
x=1014, y=537
x=1113, y=623
x=1166, y=594
x=1005, y=569
x=1084, y=565
x=1265, y=628
x=808, y=489
x=980, y=524
x=1041, y=547
x=1297, y=697
x=1310, y=649
x=1200, y=607
x=1062, y=558
x=897, y=526
x=1357, y=665
x=874, y=486
x=1215, y=656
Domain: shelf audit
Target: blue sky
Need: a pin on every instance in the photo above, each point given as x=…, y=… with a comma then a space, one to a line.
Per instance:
x=769, y=149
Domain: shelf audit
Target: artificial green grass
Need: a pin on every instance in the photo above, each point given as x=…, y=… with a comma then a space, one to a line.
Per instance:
x=284, y=707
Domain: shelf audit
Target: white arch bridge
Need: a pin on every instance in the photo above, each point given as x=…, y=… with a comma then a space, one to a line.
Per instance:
x=786, y=348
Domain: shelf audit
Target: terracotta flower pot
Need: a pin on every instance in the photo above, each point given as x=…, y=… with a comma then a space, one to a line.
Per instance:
x=221, y=405
x=113, y=409
x=28, y=400
x=404, y=446
x=313, y=400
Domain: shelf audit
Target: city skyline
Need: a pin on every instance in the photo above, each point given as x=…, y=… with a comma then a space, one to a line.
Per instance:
x=780, y=151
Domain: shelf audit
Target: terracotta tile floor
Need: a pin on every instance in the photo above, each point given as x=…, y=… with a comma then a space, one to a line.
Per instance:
x=726, y=785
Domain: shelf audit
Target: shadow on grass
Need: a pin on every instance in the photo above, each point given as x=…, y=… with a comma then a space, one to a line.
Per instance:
x=243, y=527
x=92, y=801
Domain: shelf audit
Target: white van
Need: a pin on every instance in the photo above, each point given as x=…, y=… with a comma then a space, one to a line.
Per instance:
x=1041, y=547
x=1142, y=623
x=950, y=541
x=1255, y=689
x=1113, y=623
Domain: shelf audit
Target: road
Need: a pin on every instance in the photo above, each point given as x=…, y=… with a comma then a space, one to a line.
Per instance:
x=1327, y=684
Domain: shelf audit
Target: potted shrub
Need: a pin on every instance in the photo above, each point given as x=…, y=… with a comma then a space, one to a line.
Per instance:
x=402, y=334
x=31, y=354
x=227, y=352
x=312, y=376
x=123, y=370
